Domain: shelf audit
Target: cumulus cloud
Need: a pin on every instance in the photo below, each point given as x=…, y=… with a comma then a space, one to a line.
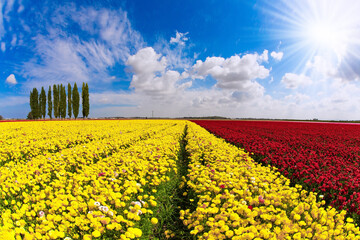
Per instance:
x=264, y=57
x=322, y=66
x=180, y=38
x=293, y=81
x=277, y=55
x=11, y=79
x=3, y=46
x=150, y=74
x=237, y=73
x=252, y=90
x=297, y=98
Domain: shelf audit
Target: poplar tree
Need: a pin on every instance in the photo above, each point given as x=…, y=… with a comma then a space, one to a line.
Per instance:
x=56, y=101
x=49, y=103
x=59, y=100
x=85, y=100
x=69, y=100
x=62, y=101
x=42, y=103
x=34, y=103
x=31, y=113
x=75, y=101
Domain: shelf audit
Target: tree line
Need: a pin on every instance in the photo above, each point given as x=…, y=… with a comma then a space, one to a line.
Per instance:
x=58, y=102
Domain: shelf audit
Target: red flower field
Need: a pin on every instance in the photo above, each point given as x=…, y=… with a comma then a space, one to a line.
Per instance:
x=322, y=156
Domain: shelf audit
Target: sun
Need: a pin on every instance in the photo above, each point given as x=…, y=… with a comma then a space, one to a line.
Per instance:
x=323, y=35
x=326, y=36
x=327, y=28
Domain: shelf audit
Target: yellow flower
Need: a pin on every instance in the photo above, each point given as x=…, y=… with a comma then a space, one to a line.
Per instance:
x=87, y=237
x=154, y=220
x=96, y=233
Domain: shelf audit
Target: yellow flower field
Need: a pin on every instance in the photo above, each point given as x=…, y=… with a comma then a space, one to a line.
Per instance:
x=120, y=179
x=101, y=187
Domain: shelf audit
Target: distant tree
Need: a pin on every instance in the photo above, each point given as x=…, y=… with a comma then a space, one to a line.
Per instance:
x=49, y=103
x=75, y=101
x=1, y=118
x=59, y=101
x=42, y=103
x=85, y=100
x=30, y=116
x=62, y=101
x=34, y=103
x=31, y=101
x=69, y=100
x=56, y=101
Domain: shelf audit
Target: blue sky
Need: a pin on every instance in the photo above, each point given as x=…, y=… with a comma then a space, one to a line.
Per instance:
x=264, y=59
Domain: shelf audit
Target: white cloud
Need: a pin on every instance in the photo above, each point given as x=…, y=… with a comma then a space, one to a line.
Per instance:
x=264, y=57
x=340, y=102
x=11, y=79
x=21, y=7
x=176, y=56
x=2, y=29
x=3, y=46
x=8, y=8
x=61, y=61
x=297, y=98
x=293, y=81
x=113, y=27
x=236, y=72
x=252, y=90
x=322, y=66
x=277, y=55
x=180, y=38
x=147, y=61
x=150, y=74
x=63, y=55
x=348, y=67
x=13, y=40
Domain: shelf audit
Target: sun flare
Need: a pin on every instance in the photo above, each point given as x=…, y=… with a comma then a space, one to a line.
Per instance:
x=323, y=35
x=327, y=28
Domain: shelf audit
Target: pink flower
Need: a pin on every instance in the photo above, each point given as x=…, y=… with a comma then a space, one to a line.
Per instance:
x=101, y=174
x=41, y=214
x=261, y=199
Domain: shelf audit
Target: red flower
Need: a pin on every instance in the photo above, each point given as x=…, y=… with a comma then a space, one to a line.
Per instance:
x=250, y=207
x=325, y=155
x=101, y=174
x=222, y=186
